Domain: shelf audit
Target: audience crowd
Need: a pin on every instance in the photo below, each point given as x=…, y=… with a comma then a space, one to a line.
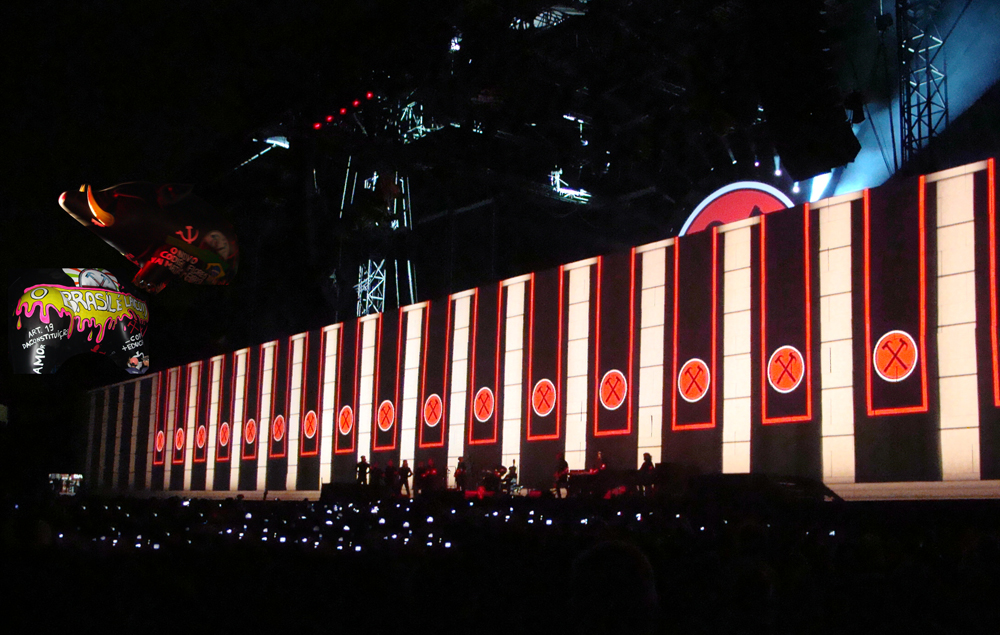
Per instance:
x=441, y=563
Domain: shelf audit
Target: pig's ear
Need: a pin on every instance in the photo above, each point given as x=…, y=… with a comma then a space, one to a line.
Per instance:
x=169, y=193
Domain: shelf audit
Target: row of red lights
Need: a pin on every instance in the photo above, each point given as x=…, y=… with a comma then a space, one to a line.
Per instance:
x=343, y=111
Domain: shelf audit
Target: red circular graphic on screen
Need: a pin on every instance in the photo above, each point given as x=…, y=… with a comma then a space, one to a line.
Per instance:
x=734, y=202
x=224, y=433
x=483, y=404
x=543, y=398
x=345, y=421
x=785, y=369
x=160, y=440
x=693, y=380
x=386, y=415
x=278, y=428
x=201, y=436
x=613, y=389
x=310, y=425
x=179, y=439
x=250, y=431
x=895, y=356
x=433, y=407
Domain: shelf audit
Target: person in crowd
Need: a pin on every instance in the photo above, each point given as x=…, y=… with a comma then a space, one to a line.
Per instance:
x=363, y=471
x=404, y=478
x=562, y=475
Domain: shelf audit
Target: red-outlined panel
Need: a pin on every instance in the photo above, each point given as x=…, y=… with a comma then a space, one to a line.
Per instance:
x=304, y=408
x=353, y=405
x=473, y=390
x=532, y=383
x=180, y=415
x=273, y=441
x=248, y=449
x=379, y=416
x=443, y=397
x=600, y=377
x=923, y=407
x=674, y=426
x=159, y=430
x=223, y=444
x=807, y=249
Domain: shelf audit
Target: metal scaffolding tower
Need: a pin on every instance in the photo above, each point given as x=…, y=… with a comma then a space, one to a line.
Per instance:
x=923, y=86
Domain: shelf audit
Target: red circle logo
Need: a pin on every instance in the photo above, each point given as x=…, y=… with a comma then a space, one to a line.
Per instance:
x=386, y=415
x=179, y=439
x=201, y=436
x=895, y=356
x=693, y=380
x=160, y=440
x=785, y=369
x=250, y=431
x=345, y=421
x=614, y=387
x=734, y=202
x=483, y=405
x=224, y=433
x=433, y=408
x=310, y=424
x=543, y=398
x=278, y=428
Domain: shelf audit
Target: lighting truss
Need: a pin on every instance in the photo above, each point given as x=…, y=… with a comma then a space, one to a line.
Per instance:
x=923, y=87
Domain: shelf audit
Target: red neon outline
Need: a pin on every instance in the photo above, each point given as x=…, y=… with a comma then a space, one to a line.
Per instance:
x=208, y=409
x=631, y=336
x=304, y=405
x=271, y=416
x=423, y=380
x=994, y=309
x=246, y=392
x=557, y=386
x=923, y=407
x=161, y=396
x=715, y=325
x=378, y=362
x=232, y=390
x=179, y=422
x=353, y=404
x=807, y=249
x=260, y=369
x=495, y=415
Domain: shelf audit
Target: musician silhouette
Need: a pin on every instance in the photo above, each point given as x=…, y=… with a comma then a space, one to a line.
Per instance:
x=562, y=475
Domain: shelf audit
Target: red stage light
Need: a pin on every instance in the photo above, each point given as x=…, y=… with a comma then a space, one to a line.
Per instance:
x=369, y=95
x=317, y=125
x=343, y=111
x=329, y=118
x=355, y=103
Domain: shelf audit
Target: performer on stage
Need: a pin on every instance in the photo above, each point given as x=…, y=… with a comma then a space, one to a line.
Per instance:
x=461, y=474
x=510, y=479
x=599, y=464
x=646, y=474
x=404, y=478
x=562, y=475
x=363, y=471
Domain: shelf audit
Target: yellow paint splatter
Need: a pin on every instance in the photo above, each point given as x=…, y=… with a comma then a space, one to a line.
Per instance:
x=87, y=308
